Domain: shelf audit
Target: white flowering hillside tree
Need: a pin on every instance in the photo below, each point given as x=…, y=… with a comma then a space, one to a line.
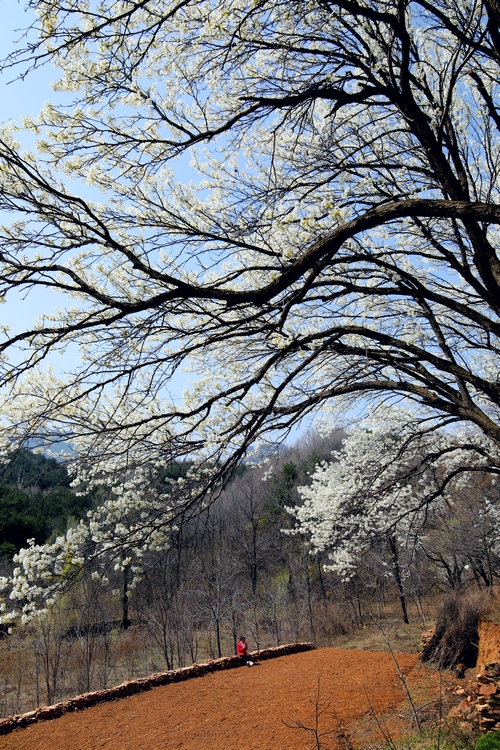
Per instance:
x=339, y=237
x=391, y=488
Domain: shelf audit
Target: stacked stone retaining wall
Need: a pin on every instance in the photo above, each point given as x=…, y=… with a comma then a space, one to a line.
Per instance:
x=480, y=704
x=487, y=692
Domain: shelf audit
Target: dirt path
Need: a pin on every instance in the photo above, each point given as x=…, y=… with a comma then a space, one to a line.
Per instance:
x=238, y=709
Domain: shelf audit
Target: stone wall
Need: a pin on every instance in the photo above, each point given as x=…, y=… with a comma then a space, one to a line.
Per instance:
x=480, y=704
x=143, y=683
x=487, y=692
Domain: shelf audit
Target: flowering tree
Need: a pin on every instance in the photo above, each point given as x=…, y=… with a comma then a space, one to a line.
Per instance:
x=339, y=237
x=390, y=487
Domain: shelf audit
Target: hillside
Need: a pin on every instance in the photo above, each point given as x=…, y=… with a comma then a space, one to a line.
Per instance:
x=245, y=708
x=36, y=501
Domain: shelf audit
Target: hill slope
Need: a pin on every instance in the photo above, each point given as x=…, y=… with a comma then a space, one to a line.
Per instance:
x=242, y=709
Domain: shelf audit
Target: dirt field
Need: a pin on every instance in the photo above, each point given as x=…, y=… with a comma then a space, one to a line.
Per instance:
x=244, y=709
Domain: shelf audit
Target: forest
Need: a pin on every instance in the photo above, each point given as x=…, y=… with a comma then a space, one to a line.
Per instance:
x=36, y=501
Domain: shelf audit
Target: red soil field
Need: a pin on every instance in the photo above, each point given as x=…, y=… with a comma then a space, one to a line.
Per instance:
x=244, y=708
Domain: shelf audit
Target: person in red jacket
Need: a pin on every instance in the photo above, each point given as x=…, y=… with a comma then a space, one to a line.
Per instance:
x=242, y=649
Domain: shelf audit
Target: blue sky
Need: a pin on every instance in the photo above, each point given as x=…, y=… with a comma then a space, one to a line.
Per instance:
x=20, y=98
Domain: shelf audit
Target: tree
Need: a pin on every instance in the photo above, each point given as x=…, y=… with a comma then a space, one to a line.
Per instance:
x=393, y=489
x=462, y=539
x=339, y=239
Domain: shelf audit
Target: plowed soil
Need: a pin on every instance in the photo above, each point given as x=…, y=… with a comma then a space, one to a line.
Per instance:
x=247, y=708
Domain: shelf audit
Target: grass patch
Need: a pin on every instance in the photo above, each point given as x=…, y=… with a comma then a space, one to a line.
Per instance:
x=449, y=737
x=490, y=741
